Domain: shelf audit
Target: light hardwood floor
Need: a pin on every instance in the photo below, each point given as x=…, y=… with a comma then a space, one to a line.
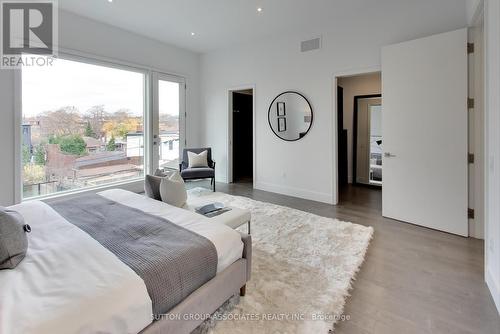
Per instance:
x=414, y=279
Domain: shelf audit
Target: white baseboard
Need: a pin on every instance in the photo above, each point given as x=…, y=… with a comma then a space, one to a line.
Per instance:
x=221, y=178
x=295, y=192
x=494, y=289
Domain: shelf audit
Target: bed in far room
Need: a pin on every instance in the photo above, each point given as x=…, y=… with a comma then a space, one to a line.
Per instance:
x=114, y=262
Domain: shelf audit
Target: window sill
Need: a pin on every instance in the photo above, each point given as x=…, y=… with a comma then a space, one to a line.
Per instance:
x=134, y=185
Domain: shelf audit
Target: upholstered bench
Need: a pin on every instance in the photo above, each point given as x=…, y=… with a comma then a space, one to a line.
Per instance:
x=233, y=218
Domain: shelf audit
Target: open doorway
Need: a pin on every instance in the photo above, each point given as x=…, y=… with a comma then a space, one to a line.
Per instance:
x=359, y=132
x=367, y=140
x=241, y=136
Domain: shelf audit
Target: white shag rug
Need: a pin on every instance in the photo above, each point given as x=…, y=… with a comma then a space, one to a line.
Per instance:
x=302, y=268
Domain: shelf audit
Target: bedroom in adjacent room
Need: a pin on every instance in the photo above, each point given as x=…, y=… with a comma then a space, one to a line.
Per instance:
x=360, y=137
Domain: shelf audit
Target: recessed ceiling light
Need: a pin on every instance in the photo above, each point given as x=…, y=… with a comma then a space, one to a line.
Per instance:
x=259, y=9
x=192, y=34
x=110, y=0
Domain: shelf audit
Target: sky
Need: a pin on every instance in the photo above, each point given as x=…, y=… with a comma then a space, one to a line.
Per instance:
x=70, y=83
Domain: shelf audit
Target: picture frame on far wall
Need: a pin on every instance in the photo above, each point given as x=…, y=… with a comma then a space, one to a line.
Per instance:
x=281, y=109
x=281, y=124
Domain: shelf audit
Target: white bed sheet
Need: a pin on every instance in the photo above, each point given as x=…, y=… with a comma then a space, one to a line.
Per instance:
x=69, y=283
x=226, y=240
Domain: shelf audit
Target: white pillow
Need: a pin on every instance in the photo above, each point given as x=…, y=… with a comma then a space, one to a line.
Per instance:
x=173, y=190
x=197, y=160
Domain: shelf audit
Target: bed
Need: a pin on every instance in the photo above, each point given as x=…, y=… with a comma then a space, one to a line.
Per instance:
x=71, y=283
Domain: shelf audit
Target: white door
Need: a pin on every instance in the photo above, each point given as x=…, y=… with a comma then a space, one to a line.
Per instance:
x=424, y=122
x=169, y=97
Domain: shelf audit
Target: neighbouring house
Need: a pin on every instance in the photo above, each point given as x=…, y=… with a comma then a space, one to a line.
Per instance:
x=104, y=167
x=135, y=146
x=93, y=144
x=59, y=165
x=169, y=148
x=97, y=167
x=101, y=159
x=121, y=144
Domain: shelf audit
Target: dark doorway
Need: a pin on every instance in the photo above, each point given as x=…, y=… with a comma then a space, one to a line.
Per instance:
x=341, y=139
x=243, y=136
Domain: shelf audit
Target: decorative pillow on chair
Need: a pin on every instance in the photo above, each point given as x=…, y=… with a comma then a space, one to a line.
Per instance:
x=197, y=160
x=13, y=239
x=173, y=190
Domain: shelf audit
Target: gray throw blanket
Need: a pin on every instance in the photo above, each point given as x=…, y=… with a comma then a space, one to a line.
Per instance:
x=172, y=261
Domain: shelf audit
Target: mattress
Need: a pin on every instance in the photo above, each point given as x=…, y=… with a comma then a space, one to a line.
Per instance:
x=69, y=283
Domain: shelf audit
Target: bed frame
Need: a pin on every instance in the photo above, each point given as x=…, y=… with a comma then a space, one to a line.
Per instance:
x=184, y=318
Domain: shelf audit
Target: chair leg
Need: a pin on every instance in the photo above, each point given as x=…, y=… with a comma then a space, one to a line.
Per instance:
x=214, y=183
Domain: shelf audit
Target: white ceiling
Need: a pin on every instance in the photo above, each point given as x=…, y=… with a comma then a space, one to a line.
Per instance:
x=222, y=23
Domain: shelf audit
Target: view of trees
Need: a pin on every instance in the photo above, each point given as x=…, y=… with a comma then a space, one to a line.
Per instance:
x=72, y=131
x=169, y=122
x=39, y=155
x=95, y=117
x=33, y=174
x=111, y=146
x=70, y=144
x=26, y=155
x=89, y=131
x=67, y=127
x=96, y=122
x=119, y=129
x=61, y=122
x=33, y=164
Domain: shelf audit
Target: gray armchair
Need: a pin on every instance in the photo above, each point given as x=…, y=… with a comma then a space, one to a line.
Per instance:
x=198, y=172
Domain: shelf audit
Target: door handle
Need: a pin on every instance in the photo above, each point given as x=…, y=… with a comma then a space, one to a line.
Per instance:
x=389, y=155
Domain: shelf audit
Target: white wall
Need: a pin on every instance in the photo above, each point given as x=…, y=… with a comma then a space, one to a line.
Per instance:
x=492, y=153
x=84, y=35
x=367, y=84
x=471, y=5
x=274, y=67
x=302, y=168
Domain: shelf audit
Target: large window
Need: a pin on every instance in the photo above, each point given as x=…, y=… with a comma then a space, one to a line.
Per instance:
x=82, y=126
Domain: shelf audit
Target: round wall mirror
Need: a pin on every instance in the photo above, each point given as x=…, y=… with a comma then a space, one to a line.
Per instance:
x=290, y=116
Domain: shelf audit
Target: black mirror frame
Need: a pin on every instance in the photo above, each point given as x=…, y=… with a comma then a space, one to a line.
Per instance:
x=355, y=133
x=269, y=115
